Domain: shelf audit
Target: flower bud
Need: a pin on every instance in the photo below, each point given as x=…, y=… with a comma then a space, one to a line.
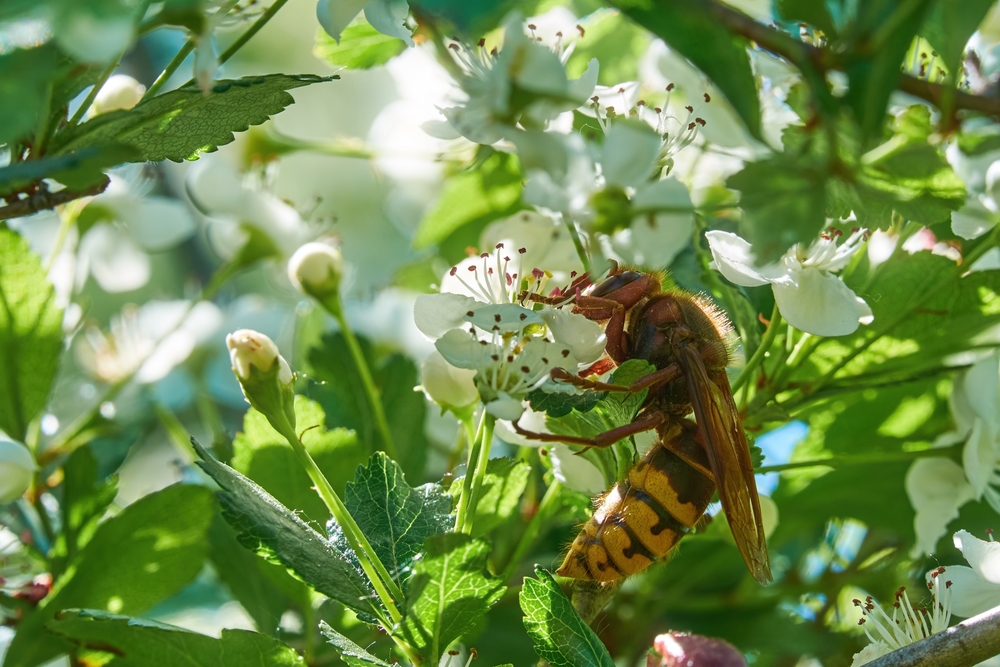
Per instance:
x=679, y=649
x=450, y=387
x=316, y=268
x=17, y=466
x=119, y=92
x=265, y=377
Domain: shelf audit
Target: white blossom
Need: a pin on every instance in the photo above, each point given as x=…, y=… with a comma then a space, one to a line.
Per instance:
x=316, y=268
x=976, y=588
x=119, y=92
x=251, y=349
x=386, y=16
x=17, y=467
x=809, y=296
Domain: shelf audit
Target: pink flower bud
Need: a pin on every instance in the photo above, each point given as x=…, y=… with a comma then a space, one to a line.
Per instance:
x=679, y=649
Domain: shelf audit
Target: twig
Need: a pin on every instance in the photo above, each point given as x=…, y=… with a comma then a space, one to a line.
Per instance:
x=968, y=643
x=44, y=200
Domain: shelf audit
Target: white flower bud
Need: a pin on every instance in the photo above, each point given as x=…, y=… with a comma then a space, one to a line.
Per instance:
x=251, y=348
x=119, y=92
x=316, y=268
x=446, y=385
x=17, y=466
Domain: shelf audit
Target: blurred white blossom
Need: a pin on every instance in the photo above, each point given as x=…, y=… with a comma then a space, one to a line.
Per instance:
x=119, y=92
x=810, y=297
x=17, y=468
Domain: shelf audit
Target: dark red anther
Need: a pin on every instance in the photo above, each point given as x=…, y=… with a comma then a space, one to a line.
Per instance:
x=707, y=98
x=670, y=87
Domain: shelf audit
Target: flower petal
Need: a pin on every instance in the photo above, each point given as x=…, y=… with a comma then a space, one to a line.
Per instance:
x=159, y=223
x=389, y=18
x=978, y=456
x=435, y=314
x=972, y=221
x=629, y=154
x=936, y=488
x=505, y=407
x=116, y=262
x=584, y=337
x=502, y=318
x=970, y=595
x=335, y=15
x=576, y=472
x=983, y=556
x=981, y=388
x=446, y=385
x=461, y=349
x=529, y=421
x=820, y=304
x=733, y=258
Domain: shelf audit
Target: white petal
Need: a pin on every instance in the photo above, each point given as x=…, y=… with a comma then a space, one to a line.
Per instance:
x=989, y=261
x=389, y=17
x=215, y=187
x=820, y=304
x=658, y=238
x=981, y=388
x=583, y=88
x=936, y=488
x=584, y=337
x=505, y=407
x=335, y=15
x=734, y=259
x=116, y=262
x=768, y=515
x=529, y=421
x=576, y=472
x=17, y=467
x=978, y=456
x=870, y=652
x=983, y=556
x=172, y=351
x=972, y=221
x=447, y=385
x=970, y=594
x=629, y=154
x=460, y=349
x=159, y=223
x=435, y=314
x=503, y=318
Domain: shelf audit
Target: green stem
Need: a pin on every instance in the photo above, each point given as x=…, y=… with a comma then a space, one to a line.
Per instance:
x=92, y=95
x=66, y=221
x=381, y=580
x=461, y=513
x=168, y=71
x=758, y=355
x=478, y=474
x=335, y=308
x=42, y=131
x=574, y=234
x=864, y=459
x=533, y=529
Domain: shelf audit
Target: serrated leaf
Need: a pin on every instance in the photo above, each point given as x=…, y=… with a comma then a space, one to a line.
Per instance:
x=470, y=200
x=148, y=552
x=137, y=642
x=78, y=169
x=561, y=403
x=689, y=27
x=559, y=634
x=361, y=47
x=263, y=455
x=31, y=337
x=784, y=202
x=349, y=652
x=342, y=394
x=275, y=532
x=450, y=592
x=889, y=26
x=85, y=497
x=395, y=517
x=950, y=24
x=182, y=123
x=503, y=486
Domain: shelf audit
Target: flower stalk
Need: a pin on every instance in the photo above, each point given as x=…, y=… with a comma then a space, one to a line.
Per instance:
x=758, y=355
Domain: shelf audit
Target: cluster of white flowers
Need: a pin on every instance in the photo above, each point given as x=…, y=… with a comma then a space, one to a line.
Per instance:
x=808, y=294
x=937, y=486
x=493, y=345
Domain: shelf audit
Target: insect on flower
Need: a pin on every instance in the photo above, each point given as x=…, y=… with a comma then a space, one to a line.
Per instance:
x=665, y=494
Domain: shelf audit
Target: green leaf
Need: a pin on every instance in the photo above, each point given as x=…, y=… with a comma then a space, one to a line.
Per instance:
x=361, y=47
x=395, y=517
x=349, y=652
x=689, y=27
x=151, y=550
x=275, y=532
x=137, y=642
x=616, y=42
x=559, y=634
x=812, y=12
x=950, y=24
x=980, y=142
x=341, y=393
x=503, y=486
x=470, y=200
x=25, y=76
x=182, y=123
x=263, y=455
x=79, y=169
x=251, y=580
x=450, y=592
x=85, y=498
x=559, y=404
x=31, y=337
x=784, y=202
x=885, y=28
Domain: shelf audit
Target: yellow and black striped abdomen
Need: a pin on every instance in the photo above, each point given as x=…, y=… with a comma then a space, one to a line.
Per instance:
x=642, y=517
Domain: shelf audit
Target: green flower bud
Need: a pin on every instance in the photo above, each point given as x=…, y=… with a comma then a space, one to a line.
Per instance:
x=316, y=269
x=265, y=377
x=17, y=466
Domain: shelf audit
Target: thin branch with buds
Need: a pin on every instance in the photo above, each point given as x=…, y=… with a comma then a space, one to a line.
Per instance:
x=968, y=643
x=44, y=200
